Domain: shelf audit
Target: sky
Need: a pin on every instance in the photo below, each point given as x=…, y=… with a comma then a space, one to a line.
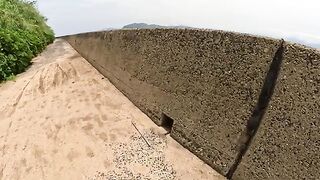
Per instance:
x=296, y=20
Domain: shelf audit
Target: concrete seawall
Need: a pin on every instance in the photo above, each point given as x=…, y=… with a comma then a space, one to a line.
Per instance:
x=216, y=87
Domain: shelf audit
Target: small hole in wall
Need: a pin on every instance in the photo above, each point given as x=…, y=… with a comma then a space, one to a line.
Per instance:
x=166, y=122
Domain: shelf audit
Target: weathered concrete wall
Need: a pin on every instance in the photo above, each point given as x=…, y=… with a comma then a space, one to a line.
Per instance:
x=287, y=145
x=208, y=82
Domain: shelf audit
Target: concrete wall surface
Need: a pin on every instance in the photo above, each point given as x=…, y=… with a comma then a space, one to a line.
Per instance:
x=287, y=145
x=209, y=83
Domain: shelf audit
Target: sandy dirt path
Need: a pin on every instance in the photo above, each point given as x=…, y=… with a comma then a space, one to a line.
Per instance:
x=62, y=119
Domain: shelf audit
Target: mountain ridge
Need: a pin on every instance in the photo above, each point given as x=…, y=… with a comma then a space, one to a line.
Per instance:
x=152, y=26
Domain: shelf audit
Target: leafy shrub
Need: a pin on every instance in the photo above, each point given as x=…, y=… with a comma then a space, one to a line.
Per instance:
x=23, y=34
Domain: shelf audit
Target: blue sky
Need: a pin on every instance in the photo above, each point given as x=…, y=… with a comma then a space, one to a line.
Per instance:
x=293, y=19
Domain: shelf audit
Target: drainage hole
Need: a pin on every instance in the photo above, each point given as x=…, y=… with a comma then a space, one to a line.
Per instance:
x=166, y=122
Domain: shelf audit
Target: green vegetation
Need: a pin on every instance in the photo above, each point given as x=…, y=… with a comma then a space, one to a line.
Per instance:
x=23, y=34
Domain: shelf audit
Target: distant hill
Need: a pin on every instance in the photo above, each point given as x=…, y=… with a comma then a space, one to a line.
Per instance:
x=151, y=26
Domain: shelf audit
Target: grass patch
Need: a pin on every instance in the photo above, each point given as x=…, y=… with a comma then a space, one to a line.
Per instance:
x=11, y=78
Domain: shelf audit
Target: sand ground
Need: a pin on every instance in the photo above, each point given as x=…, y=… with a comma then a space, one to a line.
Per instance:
x=62, y=119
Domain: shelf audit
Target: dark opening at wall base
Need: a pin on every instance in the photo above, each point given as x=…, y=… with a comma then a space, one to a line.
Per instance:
x=166, y=122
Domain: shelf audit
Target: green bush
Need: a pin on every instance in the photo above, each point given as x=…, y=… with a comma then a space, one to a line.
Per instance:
x=23, y=34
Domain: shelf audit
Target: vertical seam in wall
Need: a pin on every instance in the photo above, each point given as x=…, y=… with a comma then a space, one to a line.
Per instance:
x=254, y=121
